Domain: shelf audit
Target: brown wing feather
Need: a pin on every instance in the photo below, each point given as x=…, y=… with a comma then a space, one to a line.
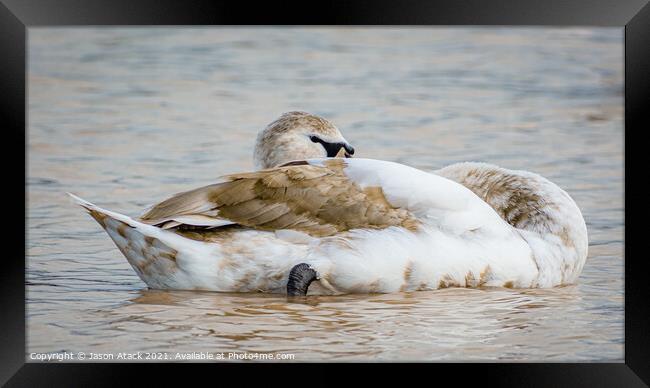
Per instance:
x=317, y=200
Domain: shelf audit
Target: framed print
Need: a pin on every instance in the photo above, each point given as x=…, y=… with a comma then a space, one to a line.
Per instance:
x=443, y=184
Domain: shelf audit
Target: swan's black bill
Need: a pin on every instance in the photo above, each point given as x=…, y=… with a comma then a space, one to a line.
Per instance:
x=333, y=149
x=300, y=278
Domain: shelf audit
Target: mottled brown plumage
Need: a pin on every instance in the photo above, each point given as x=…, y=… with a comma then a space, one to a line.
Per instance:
x=320, y=201
x=288, y=138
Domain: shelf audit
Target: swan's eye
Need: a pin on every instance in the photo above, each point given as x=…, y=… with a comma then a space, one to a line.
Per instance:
x=315, y=139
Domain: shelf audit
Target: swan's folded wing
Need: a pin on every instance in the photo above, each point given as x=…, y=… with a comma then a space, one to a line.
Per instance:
x=439, y=202
x=317, y=199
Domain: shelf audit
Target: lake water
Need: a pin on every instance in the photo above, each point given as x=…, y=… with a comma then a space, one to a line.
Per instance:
x=125, y=117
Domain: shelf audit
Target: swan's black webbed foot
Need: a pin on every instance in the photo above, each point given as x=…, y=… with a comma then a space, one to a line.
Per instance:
x=300, y=278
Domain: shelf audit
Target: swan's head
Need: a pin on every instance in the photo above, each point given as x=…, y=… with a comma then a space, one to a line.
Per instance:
x=299, y=135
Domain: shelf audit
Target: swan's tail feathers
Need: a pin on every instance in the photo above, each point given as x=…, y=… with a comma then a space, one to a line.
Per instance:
x=150, y=250
x=101, y=215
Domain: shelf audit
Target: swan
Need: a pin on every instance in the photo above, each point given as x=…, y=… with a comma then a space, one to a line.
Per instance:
x=313, y=219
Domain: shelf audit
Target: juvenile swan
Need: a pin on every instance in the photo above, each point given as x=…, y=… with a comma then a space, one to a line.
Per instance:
x=298, y=135
x=352, y=225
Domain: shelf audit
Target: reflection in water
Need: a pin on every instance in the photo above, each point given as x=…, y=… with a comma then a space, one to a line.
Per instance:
x=125, y=117
x=426, y=325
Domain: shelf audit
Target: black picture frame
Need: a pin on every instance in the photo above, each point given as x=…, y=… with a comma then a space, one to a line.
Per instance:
x=16, y=16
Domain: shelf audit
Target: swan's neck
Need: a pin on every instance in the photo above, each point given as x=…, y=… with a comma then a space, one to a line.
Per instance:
x=273, y=149
x=544, y=214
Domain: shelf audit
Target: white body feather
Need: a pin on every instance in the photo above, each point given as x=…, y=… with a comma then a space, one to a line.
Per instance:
x=461, y=241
